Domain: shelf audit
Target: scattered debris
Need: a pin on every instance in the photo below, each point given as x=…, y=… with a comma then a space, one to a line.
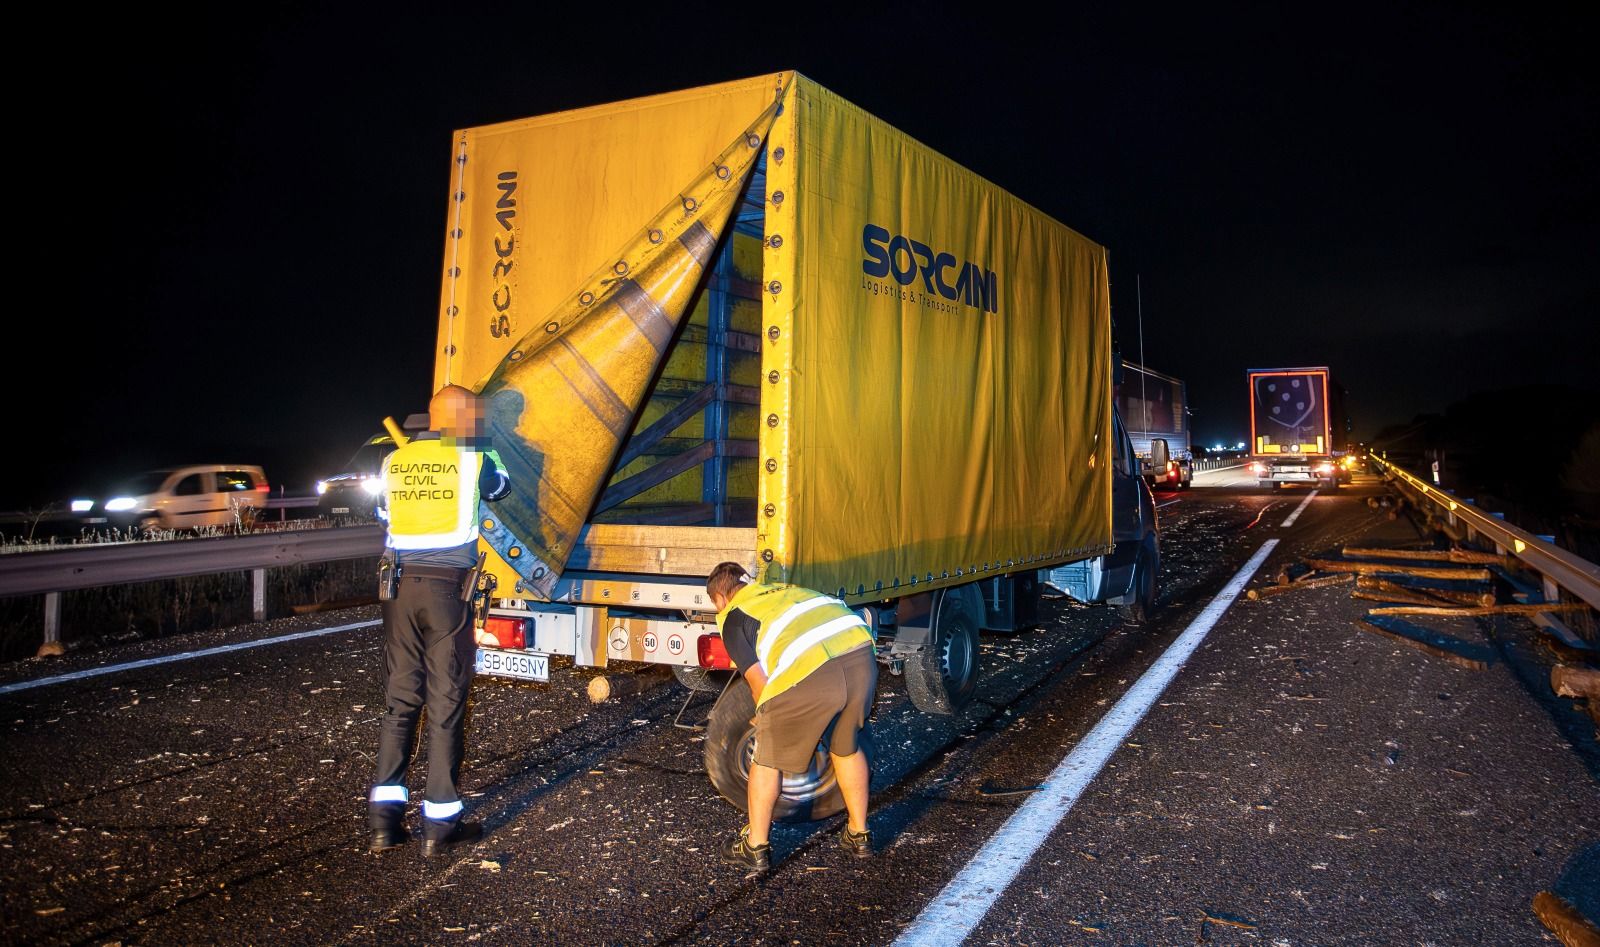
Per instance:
x=1302, y=583
x=990, y=790
x=1444, y=596
x=1474, y=611
x=1565, y=921
x=488, y=865
x=1431, y=555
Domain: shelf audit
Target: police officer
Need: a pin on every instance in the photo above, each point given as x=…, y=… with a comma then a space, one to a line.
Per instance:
x=813, y=670
x=432, y=486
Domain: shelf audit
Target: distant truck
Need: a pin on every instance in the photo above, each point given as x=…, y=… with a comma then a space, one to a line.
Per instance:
x=1297, y=427
x=751, y=322
x=1155, y=409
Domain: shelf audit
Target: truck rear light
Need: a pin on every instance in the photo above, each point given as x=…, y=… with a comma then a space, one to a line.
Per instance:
x=713, y=653
x=508, y=632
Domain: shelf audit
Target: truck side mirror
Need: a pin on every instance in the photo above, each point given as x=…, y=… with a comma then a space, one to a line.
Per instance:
x=1159, y=455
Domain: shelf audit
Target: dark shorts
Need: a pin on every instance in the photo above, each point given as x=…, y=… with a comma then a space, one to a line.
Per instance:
x=833, y=701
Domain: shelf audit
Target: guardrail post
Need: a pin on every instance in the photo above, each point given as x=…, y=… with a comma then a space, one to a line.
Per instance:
x=258, y=594
x=52, y=617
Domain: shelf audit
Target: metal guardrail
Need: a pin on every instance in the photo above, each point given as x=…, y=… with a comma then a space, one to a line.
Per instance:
x=50, y=572
x=1559, y=569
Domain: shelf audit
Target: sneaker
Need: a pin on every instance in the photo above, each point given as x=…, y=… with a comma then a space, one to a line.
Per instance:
x=858, y=844
x=751, y=857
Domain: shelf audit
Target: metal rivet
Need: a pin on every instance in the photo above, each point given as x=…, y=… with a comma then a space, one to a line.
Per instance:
x=450, y=349
x=772, y=465
x=585, y=298
x=753, y=140
x=774, y=287
x=488, y=524
x=655, y=236
x=514, y=551
x=777, y=197
x=453, y=271
x=772, y=420
x=516, y=355
x=538, y=573
x=461, y=159
x=773, y=376
x=621, y=268
x=551, y=326
x=451, y=312
x=766, y=555
x=689, y=204
x=457, y=233
x=520, y=589
x=778, y=154
x=770, y=510
x=461, y=196
x=775, y=241
x=722, y=171
x=773, y=333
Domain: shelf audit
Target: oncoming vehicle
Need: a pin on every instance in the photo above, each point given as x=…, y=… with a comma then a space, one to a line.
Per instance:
x=355, y=490
x=191, y=497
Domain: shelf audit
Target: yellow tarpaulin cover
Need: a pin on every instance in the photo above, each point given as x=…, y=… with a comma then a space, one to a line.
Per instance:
x=943, y=353
x=935, y=354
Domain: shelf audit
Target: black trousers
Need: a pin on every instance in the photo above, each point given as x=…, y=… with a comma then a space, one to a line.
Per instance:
x=428, y=656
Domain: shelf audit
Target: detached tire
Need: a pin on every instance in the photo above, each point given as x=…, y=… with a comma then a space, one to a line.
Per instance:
x=730, y=746
x=1141, y=607
x=944, y=676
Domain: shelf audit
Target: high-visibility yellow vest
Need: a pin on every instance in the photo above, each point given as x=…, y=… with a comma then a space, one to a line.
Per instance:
x=432, y=490
x=800, y=631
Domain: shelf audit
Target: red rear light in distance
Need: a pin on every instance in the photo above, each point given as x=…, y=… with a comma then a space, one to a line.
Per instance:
x=508, y=632
x=713, y=653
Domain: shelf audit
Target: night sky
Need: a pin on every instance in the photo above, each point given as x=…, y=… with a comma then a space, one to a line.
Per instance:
x=233, y=237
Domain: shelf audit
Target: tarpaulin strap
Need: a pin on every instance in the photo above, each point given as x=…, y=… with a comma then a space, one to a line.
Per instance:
x=562, y=403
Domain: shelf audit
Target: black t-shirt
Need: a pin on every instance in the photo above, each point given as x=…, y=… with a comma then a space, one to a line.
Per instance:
x=739, y=637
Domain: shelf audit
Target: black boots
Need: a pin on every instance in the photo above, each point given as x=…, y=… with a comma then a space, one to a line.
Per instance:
x=440, y=837
x=387, y=821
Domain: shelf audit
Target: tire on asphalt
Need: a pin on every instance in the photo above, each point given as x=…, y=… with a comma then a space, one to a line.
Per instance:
x=944, y=676
x=730, y=745
x=1145, y=569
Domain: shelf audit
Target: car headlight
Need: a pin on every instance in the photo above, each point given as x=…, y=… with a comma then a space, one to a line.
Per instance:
x=82, y=506
x=121, y=504
x=322, y=487
x=372, y=485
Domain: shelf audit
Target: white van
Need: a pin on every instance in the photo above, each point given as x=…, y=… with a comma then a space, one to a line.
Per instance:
x=181, y=498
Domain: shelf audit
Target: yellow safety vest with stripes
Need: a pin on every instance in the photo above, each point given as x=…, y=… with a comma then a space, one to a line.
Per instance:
x=800, y=631
x=432, y=490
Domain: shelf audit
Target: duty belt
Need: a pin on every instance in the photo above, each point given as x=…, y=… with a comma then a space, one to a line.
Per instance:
x=453, y=574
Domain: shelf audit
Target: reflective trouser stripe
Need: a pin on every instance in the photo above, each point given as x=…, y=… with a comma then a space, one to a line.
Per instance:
x=389, y=794
x=441, y=810
x=769, y=636
x=816, y=636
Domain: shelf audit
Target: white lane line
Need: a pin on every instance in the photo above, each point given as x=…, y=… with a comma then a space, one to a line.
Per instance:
x=1162, y=506
x=185, y=656
x=1296, y=514
x=950, y=917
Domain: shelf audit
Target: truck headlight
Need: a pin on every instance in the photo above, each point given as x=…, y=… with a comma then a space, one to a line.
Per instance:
x=82, y=506
x=372, y=485
x=322, y=487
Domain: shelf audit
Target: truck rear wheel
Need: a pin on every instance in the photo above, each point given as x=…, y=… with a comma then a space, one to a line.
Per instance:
x=730, y=747
x=1141, y=604
x=943, y=677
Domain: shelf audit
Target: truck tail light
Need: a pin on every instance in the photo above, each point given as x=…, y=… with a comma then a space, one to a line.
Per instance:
x=508, y=632
x=713, y=653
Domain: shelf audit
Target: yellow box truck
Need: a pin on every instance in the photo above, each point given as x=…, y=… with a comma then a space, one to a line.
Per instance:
x=751, y=322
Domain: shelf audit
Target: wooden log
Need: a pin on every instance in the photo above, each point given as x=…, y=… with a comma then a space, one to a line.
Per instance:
x=1445, y=596
x=1317, y=583
x=1457, y=652
x=1430, y=555
x=1474, y=611
x=1410, y=598
x=1565, y=921
x=1569, y=681
x=1386, y=568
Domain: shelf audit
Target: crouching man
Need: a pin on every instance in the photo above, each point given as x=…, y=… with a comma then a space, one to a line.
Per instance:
x=813, y=671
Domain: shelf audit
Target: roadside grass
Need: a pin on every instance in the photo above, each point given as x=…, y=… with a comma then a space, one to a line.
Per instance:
x=98, y=617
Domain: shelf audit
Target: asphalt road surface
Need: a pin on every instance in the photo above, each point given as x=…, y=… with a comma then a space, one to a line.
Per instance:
x=1298, y=781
